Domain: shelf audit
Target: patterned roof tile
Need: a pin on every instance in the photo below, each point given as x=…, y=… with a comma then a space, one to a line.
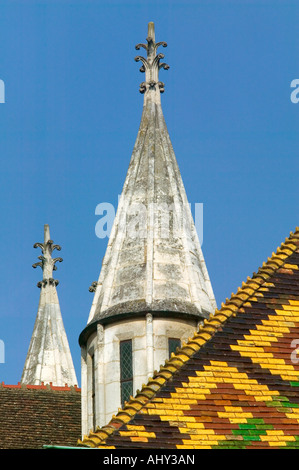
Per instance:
x=235, y=383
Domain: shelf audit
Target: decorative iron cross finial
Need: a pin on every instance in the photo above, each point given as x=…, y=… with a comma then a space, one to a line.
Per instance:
x=151, y=65
x=47, y=263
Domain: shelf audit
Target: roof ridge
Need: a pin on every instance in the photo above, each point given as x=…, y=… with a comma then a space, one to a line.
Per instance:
x=204, y=334
x=42, y=386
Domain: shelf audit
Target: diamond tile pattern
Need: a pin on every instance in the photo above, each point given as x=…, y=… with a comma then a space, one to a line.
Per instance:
x=235, y=384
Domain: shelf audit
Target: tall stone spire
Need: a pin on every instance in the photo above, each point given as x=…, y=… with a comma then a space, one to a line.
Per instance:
x=154, y=286
x=154, y=262
x=49, y=358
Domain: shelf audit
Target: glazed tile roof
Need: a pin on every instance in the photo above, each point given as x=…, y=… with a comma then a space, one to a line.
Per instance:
x=235, y=384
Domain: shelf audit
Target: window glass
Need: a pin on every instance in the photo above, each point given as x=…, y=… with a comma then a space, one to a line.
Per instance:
x=126, y=370
x=173, y=344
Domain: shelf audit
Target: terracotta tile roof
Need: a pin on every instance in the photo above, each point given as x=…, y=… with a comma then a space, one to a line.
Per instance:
x=235, y=384
x=36, y=415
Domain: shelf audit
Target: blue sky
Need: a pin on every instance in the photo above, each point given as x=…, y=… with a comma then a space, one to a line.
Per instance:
x=71, y=115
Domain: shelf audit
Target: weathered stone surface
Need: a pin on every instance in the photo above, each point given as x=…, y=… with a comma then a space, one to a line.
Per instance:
x=156, y=257
x=153, y=224
x=49, y=358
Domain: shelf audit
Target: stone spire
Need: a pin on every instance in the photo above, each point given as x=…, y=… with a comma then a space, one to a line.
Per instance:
x=153, y=262
x=49, y=357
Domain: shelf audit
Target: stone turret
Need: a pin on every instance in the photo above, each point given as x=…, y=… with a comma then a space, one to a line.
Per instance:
x=154, y=286
x=49, y=358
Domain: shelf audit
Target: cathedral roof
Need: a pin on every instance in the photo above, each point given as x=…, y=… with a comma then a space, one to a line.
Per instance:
x=49, y=358
x=153, y=262
x=235, y=384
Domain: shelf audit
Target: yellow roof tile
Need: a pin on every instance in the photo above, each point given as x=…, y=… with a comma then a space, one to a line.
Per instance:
x=218, y=373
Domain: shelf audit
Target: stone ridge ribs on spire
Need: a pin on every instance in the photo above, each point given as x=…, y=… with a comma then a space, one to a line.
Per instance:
x=49, y=358
x=153, y=262
x=235, y=383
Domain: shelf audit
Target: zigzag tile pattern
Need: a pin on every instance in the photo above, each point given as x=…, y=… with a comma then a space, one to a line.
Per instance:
x=235, y=384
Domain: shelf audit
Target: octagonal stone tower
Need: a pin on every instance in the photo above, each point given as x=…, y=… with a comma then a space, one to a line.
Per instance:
x=154, y=286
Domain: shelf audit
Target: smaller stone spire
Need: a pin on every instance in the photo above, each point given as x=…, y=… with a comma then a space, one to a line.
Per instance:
x=151, y=87
x=49, y=358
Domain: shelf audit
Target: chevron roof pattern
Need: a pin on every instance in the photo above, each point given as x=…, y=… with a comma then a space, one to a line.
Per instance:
x=235, y=384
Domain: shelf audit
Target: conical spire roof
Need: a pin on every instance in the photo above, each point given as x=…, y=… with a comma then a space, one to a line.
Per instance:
x=154, y=262
x=49, y=358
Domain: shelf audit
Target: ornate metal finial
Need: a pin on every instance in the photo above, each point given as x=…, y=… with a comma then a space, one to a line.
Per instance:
x=151, y=65
x=47, y=263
